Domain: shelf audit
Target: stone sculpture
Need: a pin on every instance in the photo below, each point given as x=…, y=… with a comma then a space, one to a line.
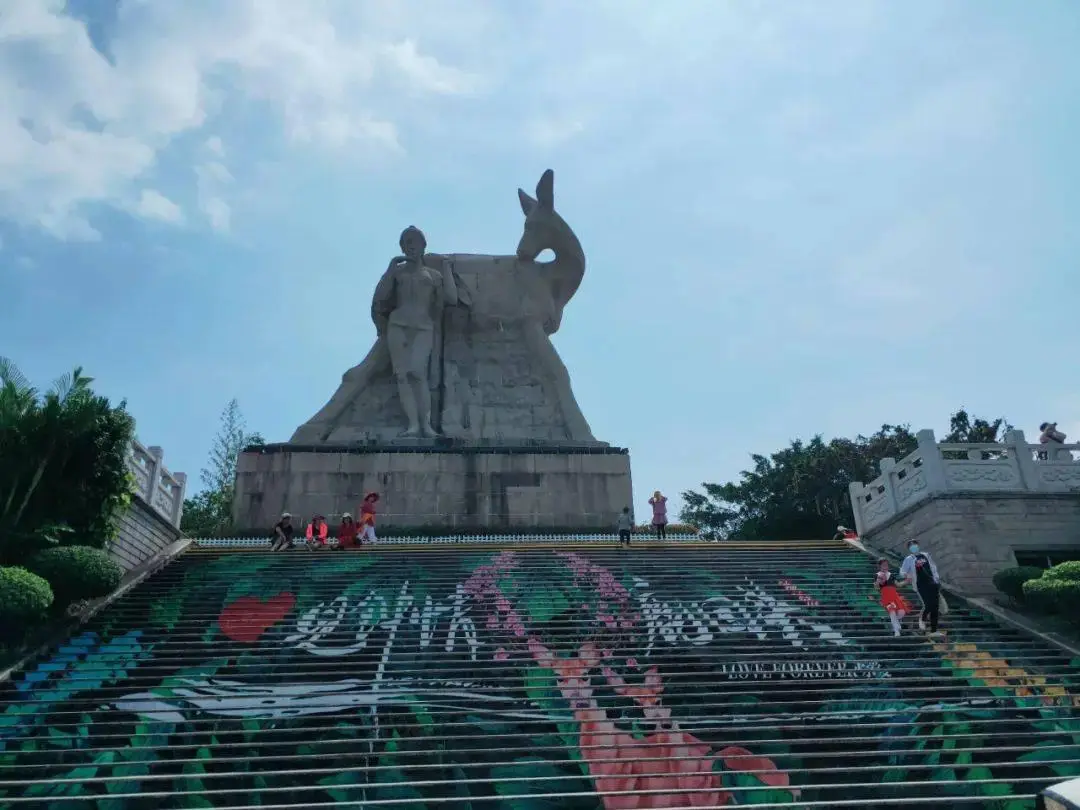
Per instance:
x=464, y=347
x=407, y=308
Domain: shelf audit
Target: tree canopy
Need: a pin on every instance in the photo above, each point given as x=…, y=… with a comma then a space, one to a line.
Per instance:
x=63, y=463
x=801, y=491
x=210, y=511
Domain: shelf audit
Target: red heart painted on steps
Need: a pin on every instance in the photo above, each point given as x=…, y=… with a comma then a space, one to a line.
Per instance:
x=249, y=617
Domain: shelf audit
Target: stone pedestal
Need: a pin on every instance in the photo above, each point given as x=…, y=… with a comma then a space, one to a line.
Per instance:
x=436, y=485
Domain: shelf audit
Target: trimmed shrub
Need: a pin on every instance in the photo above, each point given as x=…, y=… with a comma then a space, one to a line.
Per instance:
x=672, y=528
x=77, y=572
x=1066, y=572
x=24, y=598
x=1044, y=594
x=1011, y=581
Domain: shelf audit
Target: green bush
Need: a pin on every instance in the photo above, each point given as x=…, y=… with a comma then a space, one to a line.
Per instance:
x=1066, y=572
x=1050, y=595
x=1011, y=581
x=77, y=572
x=24, y=598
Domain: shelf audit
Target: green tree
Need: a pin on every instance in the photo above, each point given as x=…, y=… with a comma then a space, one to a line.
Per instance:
x=210, y=511
x=63, y=463
x=801, y=492
x=965, y=430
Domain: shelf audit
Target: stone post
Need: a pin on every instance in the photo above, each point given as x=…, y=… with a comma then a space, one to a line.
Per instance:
x=155, y=474
x=1019, y=450
x=178, y=507
x=886, y=466
x=932, y=463
x=855, y=495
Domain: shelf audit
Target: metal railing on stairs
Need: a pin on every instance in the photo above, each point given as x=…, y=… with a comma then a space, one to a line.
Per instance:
x=519, y=677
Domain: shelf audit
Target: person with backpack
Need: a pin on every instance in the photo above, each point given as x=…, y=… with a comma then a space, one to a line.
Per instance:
x=919, y=569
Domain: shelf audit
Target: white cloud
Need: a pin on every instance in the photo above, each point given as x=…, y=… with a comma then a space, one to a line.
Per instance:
x=155, y=205
x=212, y=178
x=77, y=128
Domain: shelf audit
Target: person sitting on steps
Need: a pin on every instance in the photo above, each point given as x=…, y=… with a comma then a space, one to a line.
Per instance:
x=919, y=569
x=283, y=533
x=347, y=532
x=316, y=533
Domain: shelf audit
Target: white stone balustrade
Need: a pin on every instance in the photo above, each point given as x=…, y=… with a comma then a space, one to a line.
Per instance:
x=1011, y=466
x=162, y=490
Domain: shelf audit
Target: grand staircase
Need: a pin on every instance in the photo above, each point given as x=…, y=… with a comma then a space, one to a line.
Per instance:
x=686, y=675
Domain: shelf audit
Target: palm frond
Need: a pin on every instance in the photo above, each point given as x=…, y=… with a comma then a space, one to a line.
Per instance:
x=10, y=375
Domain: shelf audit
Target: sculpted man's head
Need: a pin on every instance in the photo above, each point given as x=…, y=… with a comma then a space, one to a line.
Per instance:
x=412, y=242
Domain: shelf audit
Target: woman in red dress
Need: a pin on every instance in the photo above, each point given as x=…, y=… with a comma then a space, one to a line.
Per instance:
x=891, y=600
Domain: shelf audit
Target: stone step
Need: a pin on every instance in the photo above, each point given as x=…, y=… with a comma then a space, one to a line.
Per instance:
x=528, y=675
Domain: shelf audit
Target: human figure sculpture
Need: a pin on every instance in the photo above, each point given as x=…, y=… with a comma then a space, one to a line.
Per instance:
x=407, y=307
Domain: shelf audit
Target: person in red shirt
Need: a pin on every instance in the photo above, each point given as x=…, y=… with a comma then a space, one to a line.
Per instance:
x=367, y=517
x=347, y=532
x=316, y=533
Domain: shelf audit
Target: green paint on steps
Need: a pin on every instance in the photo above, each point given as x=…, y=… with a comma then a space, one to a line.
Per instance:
x=540, y=678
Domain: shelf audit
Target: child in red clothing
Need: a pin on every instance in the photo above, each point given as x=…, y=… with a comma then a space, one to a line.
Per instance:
x=367, y=517
x=890, y=598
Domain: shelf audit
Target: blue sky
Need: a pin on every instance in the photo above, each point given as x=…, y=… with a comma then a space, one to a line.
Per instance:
x=799, y=217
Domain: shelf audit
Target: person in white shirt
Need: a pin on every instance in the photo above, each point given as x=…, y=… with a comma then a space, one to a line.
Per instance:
x=918, y=569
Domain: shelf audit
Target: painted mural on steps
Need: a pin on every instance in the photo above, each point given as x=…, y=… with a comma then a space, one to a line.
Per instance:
x=505, y=676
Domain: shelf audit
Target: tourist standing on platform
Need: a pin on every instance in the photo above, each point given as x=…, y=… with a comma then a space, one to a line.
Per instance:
x=317, y=532
x=921, y=571
x=367, y=517
x=626, y=526
x=347, y=532
x=1050, y=435
x=659, y=514
x=283, y=533
x=895, y=605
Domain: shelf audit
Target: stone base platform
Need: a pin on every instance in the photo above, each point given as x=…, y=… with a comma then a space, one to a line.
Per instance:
x=429, y=484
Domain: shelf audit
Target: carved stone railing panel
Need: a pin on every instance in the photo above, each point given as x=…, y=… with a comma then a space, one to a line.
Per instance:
x=160, y=489
x=1014, y=465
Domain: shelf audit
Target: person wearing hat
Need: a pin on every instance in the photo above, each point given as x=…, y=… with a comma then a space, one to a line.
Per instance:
x=317, y=532
x=347, y=532
x=367, y=517
x=283, y=533
x=844, y=533
x=659, y=514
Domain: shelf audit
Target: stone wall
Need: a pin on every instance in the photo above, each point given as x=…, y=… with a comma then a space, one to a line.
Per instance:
x=143, y=534
x=460, y=488
x=972, y=536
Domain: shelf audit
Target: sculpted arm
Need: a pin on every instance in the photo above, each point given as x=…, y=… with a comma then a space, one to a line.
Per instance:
x=382, y=302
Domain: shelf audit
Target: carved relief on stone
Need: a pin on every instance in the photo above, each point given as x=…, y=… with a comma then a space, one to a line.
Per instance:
x=909, y=489
x=983, y=473
x=1061, y=475
x=878, y=508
